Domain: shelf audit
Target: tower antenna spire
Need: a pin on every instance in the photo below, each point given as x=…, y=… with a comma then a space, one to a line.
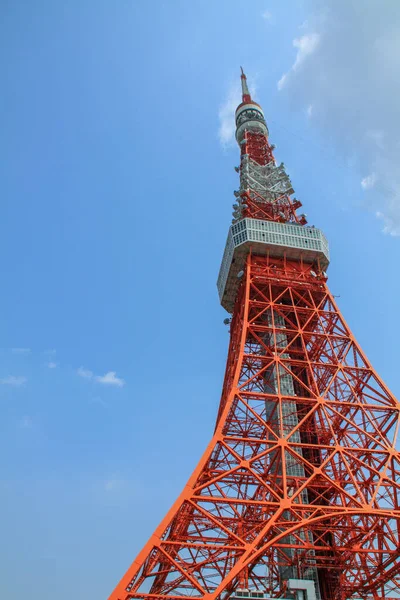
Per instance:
x=245, y=90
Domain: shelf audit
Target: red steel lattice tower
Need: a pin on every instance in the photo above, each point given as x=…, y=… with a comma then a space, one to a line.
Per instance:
x=297, y=494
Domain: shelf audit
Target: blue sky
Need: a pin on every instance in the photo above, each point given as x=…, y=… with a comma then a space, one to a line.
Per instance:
x=116, y=177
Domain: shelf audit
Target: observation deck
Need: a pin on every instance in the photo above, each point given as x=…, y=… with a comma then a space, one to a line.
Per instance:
x=278, y=240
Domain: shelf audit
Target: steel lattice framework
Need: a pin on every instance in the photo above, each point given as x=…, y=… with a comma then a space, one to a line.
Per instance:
x=301, y=478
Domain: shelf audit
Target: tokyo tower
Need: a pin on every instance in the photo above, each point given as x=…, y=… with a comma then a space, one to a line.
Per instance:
x=298, y=493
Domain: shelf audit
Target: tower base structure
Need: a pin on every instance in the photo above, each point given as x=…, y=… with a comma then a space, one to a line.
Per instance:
x=301, y=478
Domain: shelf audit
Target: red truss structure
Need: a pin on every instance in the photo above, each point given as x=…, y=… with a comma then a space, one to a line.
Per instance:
x=297, y=493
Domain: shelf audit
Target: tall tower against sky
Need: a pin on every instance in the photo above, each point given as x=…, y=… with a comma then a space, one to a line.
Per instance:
x=297, y=494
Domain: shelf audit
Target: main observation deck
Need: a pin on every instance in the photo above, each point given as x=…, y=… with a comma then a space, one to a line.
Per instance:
x=278, y=240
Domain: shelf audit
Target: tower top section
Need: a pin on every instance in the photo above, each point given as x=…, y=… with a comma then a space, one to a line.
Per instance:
x=265, y=220
x=249, y=114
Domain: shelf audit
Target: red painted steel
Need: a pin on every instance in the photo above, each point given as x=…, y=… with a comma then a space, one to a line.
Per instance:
x=301, y=478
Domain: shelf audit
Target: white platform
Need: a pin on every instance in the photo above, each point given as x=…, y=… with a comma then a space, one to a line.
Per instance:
x=296, y=242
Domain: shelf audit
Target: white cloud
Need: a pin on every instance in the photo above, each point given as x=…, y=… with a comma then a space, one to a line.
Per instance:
x=267, y=15
x=282, y=81
x=306, y=45
x=21, y=350
x=13, y=380
x=85, y=373
x=52, y=365
x=391, y=218
x=368, y=182
x=110, y=378
x=309, y=111
x=227, y=126
x=226, y=132
x=349, y=69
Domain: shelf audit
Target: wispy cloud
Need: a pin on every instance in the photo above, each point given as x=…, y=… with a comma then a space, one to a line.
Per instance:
x=110, y=378
x=21, y=350
x=52, y=365
x=226, y=132
x=282, y=81
x=309, y=111
x=85, y=373
x=16, y=381
x=306, y=45
x=368, y=182
x=267, y=16
x=347, y=65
